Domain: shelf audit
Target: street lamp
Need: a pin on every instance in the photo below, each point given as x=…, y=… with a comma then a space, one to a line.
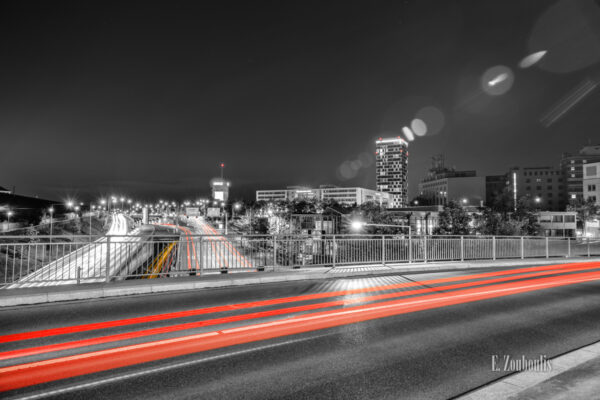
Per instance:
x=92, y=207
x=358, y=225
x=51, y=211
x=8, y=215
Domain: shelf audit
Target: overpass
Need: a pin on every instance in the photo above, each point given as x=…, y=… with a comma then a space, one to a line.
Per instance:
x=196, y=248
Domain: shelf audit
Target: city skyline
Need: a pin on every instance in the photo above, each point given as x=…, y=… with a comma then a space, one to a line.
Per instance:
x=116, y=102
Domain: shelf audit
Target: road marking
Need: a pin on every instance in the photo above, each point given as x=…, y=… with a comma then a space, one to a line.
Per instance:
x=283, y=300
x=166, y=368
x=37, y=372
x=262, y=314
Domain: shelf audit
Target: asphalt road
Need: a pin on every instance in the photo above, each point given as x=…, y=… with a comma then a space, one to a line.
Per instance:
x=432, y=352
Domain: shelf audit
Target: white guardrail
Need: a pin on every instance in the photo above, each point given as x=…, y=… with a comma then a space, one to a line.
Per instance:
x=27, y=261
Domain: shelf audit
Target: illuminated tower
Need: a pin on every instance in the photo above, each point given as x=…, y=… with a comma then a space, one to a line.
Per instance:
x=391, y=168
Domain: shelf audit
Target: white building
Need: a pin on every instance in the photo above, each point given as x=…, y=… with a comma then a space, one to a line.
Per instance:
x=348, y=196
x=558, y=223
x=591, y=182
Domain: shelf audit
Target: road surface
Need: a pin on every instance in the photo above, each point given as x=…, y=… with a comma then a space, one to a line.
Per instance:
x=421, y=336
x=216, y=251
x=88, y=261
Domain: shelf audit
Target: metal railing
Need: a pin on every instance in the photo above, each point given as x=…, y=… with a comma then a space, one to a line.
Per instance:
x=51, y=260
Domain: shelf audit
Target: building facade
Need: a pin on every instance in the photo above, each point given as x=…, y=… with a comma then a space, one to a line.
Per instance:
x=347, y=196
x=558, y=223
x=544, y=186
x=442, y=185
x=572, y=170
x=220, y=189
x=591, y=182
x=391, y=163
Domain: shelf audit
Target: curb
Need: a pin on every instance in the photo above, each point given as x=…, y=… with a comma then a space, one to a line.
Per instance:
x=517, y=382
x=17, y=297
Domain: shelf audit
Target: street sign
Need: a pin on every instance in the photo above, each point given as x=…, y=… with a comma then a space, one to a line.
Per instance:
x=214, y=212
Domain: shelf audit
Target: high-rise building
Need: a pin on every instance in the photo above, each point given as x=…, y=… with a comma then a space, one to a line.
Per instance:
x=572, y=170
x=391, y=169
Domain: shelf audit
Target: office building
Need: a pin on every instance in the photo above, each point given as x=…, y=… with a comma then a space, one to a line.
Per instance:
x=442, y=185
x=572, y=170
x=391, y=158
x=591, y=182
x=348, y=196
x=544, y=186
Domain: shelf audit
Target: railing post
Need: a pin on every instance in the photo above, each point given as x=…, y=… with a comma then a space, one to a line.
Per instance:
x=462, y=248
x=493, y=247
x=522, y=247
x=425, y=248
x=383, y=249
x=274, y=251
x=107, y=259
x=568, y=247
x=409, y=249
x=78, y=275
x=588, y=247
x=547, y=250
x=333, y=249
x=199, y=255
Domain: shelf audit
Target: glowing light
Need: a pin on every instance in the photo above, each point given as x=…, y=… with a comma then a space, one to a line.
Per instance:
x=357, y=225
x=408, y=133
x=419, y=127
x=500, y=78
x=433, y=119
x=532, y=59
x=497, y=80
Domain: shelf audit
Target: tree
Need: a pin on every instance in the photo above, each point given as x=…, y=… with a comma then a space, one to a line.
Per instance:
x=585, y=209
x=523, y=221
x=526, y=219
x=453, y=220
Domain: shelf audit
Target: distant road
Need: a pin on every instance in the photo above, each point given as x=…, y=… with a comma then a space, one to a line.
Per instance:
x=218, y=252
x=418, y=336
x=91, y=258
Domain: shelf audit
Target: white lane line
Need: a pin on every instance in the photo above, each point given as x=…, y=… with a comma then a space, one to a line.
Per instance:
x=165, y=368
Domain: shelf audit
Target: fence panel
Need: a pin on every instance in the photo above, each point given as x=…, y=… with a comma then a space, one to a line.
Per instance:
x=508, y=247
x=478, y=248
x=35, y=261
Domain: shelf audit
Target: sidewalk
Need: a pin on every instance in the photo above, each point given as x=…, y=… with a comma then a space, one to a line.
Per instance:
x=574, y=375
x=39, y=295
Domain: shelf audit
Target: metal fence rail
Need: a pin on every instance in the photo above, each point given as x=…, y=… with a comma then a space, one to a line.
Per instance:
x=45, y=260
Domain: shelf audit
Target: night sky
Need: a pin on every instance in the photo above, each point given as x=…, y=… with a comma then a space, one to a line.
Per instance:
x=147, y=98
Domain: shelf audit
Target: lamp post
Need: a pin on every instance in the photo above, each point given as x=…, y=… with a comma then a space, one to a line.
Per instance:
x=92, y=207
x=51, y=211
x=235, y=207
x=224, y=211
x=8, y=215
